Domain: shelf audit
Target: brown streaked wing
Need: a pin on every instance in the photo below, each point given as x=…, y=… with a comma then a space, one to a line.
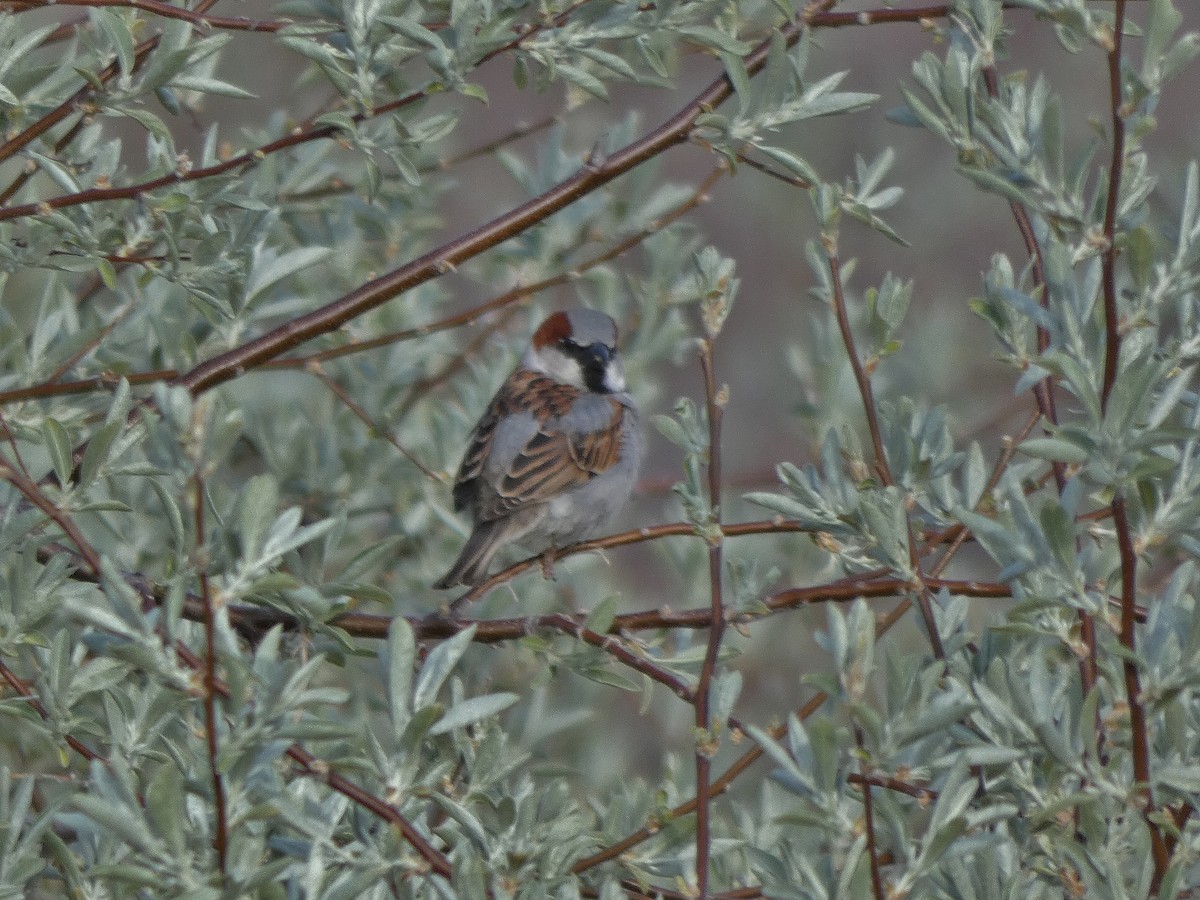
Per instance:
x=479, y=445
x=597, y=451
x=551, y=463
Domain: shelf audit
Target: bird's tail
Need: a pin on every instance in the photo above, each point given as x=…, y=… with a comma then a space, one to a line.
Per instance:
x=472, y=564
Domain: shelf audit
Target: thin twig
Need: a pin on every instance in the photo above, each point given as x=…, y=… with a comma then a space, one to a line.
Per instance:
x=365, y=417
x=1112, y=326
x=166, y=11
x=30, y=490
x=338, y=187
x=865, y=393
x=221, y=842
x=924, y=795
x=1139, y=729
x=25, y=691
x=869, y=817
x=611, y=643
x=66, y=365
x=706, y=739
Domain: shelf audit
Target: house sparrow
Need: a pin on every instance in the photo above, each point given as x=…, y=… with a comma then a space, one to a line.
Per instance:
x=556, y=453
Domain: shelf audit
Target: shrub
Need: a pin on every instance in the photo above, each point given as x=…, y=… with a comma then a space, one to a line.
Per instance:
x=240, y=362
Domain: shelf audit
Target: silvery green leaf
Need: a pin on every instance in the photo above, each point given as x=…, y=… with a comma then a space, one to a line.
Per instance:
x=438, y=666
x=726, y=688
x=400, y=658
x=58, y=443
x=1055, y=449
x=473, y=710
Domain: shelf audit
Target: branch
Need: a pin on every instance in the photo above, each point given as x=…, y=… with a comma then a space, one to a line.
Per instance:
x=107, y=381
x=867, y=395
x=1139, y=729
x=869, y=816
x=1112, y=329
x=35, y=495
x=706, y=739
x=158, y=8
x=611, y=644
x=24, y=691
x=861, y=378
x=221, y=843
x=594, y=174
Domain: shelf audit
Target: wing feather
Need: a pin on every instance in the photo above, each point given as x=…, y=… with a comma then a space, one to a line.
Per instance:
x=551, y=461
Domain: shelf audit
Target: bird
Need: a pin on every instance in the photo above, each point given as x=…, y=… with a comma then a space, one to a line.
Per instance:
x=555, y=455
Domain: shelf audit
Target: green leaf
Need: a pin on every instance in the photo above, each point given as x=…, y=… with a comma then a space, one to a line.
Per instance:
x=401, y=657
x=206, y=85
x=58, y=443
x=99, y=449
x=1055, y=450
x=583, y=79
x=116, y=30
x=260, y=497
x=277, y=268
x=600, y=619
x=476, y=709
x=438, y=665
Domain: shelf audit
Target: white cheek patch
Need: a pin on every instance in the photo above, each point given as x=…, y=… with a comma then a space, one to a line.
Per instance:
x=614, y=379
x=561, y=367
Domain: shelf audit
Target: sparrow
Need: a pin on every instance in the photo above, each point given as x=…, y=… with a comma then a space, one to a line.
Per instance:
x=555, y=455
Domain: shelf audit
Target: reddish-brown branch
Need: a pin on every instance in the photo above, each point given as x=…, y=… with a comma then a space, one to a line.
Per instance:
x=158, y=8
x=865, y=393
x=1139, y=728
x=1108, y=259
x=25, y=692
x=869, y=818
x=594, y=174
x=508, y=298
x=921, y=793
x=35, y=495
x=221, y=841
x=706, y=738
x=611, y=643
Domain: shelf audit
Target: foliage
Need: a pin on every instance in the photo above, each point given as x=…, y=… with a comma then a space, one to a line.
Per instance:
x=238, y=369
